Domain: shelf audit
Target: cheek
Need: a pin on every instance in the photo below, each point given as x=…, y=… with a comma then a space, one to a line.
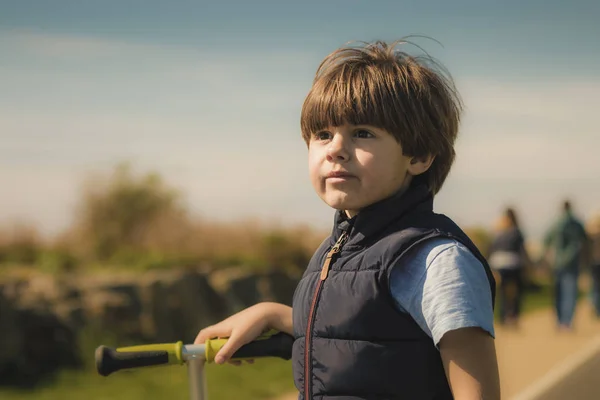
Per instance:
x=381, y=176
x=371, y=167
x=313, y=168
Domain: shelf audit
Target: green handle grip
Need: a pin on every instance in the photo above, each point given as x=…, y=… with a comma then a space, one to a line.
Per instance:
x=110, y=360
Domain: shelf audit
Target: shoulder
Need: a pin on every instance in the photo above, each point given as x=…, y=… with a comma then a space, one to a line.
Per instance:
x=449, y=258
x=441, y=250
x=455, y=261
x=428, y=251
x=419, y=258
x=413, y=266
x=419, y=232
x=434, y=263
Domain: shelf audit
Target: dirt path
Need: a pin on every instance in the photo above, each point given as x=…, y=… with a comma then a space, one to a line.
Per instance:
x=526, y=354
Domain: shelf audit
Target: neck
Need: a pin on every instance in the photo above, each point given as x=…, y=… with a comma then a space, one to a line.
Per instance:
x=351, y=213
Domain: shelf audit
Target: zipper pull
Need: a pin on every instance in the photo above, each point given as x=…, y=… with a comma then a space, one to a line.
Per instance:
x=334, y=250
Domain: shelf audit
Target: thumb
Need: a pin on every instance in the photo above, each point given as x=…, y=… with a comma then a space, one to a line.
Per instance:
x=210, y=332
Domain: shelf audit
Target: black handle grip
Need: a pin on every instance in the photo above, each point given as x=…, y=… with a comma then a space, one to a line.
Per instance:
x=278, y=345
x=109, y=360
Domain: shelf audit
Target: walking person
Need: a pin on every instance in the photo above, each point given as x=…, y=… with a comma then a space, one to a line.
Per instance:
x=507, y=258
x=564, y=248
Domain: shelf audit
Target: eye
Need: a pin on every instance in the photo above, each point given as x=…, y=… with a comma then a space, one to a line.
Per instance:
x=363, y=134
x=323, y=135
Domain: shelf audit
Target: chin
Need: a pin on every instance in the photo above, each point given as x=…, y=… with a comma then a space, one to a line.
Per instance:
x=335, y=205
x=341, y=204
x=341, y=201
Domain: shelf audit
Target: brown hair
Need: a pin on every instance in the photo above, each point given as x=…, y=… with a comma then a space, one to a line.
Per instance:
x=511, y=214
x=507, y=220
x=412, y=97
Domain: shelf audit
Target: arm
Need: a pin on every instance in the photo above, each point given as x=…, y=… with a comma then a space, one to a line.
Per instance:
x=281, y=318
x=449, y=296
x=546, y=244
x=469, y=358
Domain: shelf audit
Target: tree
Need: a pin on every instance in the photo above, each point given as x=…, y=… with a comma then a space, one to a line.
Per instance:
x=117, y=214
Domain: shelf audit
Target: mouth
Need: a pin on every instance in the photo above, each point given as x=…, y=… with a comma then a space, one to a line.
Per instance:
x=339, y=175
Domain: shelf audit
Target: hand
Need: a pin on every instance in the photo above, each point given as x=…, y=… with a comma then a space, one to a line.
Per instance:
x=240, y=328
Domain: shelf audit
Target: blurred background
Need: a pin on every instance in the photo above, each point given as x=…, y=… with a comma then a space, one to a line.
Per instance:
x=153, y=178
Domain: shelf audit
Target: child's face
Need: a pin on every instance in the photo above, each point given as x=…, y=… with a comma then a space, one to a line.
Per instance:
x=353, y=166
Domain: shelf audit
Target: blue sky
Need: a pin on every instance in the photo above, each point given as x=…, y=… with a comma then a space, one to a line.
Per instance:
x=209, y=95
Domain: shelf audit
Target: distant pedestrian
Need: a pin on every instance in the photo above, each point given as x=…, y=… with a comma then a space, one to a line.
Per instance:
x=564, y=247
x=507, y=258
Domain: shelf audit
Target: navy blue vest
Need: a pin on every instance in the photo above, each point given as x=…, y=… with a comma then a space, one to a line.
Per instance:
x=350, y=341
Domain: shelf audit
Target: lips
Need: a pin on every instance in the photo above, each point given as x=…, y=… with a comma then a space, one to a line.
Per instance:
x=339, y=174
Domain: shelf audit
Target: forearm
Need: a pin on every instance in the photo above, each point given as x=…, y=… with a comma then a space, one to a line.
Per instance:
x=469, y=358
x=468, y=387
x=280, y=317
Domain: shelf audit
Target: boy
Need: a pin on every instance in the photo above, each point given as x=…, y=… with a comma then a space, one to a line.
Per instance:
x=397, y=303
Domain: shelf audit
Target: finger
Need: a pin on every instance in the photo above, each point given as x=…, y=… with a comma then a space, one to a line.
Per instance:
x=213, y=331
x=228, y=349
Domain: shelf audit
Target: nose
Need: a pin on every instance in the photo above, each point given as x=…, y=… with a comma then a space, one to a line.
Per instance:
x=337, y=150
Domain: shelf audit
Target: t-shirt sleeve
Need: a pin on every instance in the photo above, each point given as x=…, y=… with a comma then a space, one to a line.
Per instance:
x=443, y=287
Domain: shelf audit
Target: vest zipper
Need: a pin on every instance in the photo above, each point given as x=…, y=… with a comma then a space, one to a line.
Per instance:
x=324, y=273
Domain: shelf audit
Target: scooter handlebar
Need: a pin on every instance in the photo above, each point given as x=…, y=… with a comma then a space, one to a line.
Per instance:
x=109, y=360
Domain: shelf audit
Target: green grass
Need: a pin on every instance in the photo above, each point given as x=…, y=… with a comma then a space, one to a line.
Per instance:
x=262, y=380
x=539, y=299
x=533, y=300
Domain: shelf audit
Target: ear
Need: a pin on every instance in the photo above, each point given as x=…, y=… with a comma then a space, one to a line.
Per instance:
x=419, y=165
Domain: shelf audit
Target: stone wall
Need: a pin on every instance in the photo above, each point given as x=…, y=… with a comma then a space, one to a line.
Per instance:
x=41, y=316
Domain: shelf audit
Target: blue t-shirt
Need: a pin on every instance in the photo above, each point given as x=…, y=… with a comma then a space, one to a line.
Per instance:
x=443, y=287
